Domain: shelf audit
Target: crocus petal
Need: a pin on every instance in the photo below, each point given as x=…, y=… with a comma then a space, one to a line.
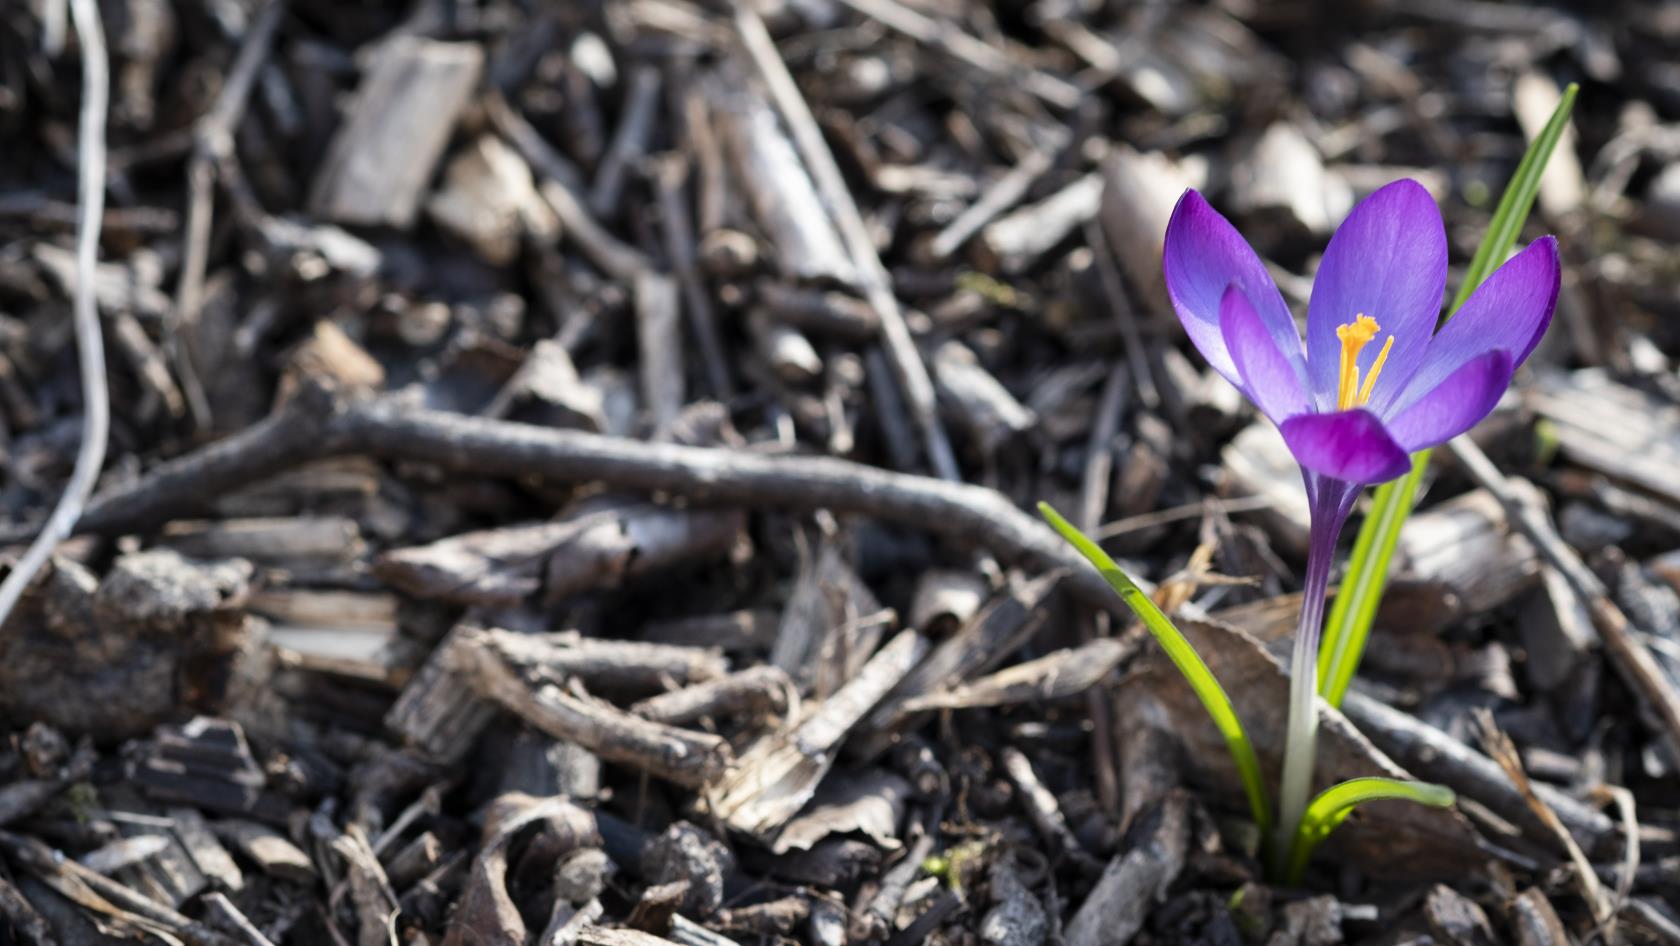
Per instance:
x=1351, y=446
x=1454, y=405
x=1273, y=382
x=1509, y=312
x=1204, y=255
x=1387, y=260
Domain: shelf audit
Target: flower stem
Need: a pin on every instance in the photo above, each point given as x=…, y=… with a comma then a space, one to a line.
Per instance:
x=1331, y=502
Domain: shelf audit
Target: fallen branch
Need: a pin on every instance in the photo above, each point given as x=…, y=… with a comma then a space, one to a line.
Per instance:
x=316, y=424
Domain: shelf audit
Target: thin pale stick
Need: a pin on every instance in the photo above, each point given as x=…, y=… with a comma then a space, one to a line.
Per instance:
x=902, y=354
x=212, y=144
x=1503, y=751
x=90, y=347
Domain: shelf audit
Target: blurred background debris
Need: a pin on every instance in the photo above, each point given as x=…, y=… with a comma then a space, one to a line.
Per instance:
x=568, y=461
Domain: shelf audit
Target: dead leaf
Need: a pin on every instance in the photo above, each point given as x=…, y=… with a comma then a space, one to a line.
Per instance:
x=871, y=802
x=1390, y=839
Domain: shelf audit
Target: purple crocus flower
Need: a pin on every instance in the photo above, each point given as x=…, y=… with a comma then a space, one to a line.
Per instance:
x=1374, y=381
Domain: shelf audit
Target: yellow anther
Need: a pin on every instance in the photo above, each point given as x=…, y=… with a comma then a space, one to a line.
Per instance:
x=1376, y=369
x=1354, y=336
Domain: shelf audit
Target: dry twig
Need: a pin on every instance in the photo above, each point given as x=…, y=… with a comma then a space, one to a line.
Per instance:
x=1503, y=751
x=911, y=372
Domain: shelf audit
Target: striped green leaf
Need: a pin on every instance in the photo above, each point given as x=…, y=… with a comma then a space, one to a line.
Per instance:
x=1332, y=806
x=1185, y=658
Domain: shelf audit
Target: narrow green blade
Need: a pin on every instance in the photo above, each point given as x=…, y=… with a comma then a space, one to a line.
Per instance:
x=1334, y=804
x=1517, y=201
x=1355, y=608
x=1185, y=658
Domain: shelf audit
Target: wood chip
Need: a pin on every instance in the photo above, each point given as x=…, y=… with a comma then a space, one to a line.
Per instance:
x=271, y=851
x=377, y=166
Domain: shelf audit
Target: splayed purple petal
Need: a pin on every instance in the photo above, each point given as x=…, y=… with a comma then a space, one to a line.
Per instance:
x=1388, y=260
x=1270, y=379
x=1351, y=446
x=1509, y=312
x=1455, y=405
x=1203, y=256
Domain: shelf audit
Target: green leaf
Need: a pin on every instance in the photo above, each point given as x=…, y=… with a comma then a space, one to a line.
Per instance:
x=1326, y=812
x=1517, y=201
x=1355, y=608
x=1184, y=657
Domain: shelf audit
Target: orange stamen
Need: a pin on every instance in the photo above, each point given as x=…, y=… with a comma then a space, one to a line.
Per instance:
x=1355, y=336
